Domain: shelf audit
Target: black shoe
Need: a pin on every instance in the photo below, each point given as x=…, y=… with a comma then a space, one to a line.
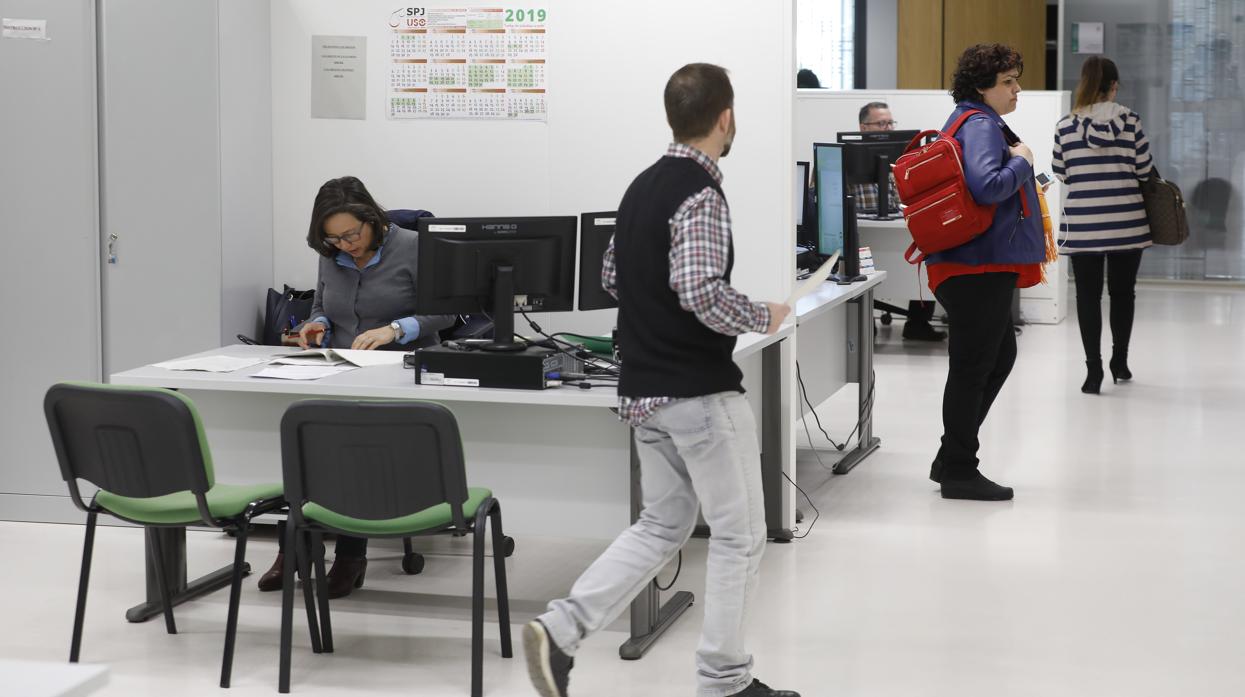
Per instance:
x=976, y=488
x=760, y=689
x=935, y=472
x=1119, y=368
x=1093, y=376
x=920, y=330
x=346, y=575
x=547, y=666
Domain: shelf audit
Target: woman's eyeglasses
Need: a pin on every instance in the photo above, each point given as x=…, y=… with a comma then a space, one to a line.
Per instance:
x=349, y=237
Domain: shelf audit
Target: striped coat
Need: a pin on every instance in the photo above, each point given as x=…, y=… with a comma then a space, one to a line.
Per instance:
x=1100, y=155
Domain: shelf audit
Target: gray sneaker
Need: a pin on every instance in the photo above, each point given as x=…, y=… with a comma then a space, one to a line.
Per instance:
x=547, y=666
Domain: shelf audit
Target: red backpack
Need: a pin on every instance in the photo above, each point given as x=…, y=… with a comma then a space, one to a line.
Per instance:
x=938, y=208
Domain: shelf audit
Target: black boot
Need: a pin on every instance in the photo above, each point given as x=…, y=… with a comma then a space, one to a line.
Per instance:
x=935, y=471
x=976, y=488
x=1119, y=366
x=1093, y=376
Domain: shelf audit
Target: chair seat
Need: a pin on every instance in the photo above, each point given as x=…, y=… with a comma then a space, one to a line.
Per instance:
x=433, y=518
x=224, y=501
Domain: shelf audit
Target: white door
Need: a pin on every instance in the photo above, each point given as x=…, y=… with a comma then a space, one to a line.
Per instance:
x=48, y=218
x=160, y=166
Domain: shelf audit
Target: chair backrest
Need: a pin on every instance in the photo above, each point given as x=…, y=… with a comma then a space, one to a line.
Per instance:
x=130, y=441
x=372, y=460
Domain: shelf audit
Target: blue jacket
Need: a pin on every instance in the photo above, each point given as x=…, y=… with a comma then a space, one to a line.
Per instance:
x=994, y=177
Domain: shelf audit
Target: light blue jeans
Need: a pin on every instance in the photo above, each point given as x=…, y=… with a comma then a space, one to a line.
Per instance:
x=694, y=453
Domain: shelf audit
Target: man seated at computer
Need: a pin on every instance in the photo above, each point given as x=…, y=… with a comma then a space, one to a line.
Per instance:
x=876, y=116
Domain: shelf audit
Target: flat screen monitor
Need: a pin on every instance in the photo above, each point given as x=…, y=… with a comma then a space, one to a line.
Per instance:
x=799, y=189
x=867, y=159
x=493, y=265
x=595, y=232
x=828, y=181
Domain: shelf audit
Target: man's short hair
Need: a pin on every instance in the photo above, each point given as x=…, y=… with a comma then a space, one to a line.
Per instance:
x=696, y=95
x=864, y=111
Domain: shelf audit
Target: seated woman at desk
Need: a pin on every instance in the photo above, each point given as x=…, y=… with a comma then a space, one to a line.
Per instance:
x=365, y=299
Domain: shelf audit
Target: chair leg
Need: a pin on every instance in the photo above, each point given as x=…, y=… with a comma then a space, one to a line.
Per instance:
x=88, y=545
x=477, y=604
x=235, y=593
x=162, y=581
x=304, y=567
x=287, y=606
x=322, y=592
x=499, y=572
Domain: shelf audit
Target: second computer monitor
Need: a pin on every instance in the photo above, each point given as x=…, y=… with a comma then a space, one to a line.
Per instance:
x=595, y=232
x=828, y=181
x=473, y=265
x=867, y=160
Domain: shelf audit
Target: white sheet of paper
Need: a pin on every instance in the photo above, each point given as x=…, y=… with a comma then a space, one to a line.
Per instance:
x=364, y=359
x=301, y=372
x=811, y=283
x=211, y=364
x=34, y=29
x=357, y=357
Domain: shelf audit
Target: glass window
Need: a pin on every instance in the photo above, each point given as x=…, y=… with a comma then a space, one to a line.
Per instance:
x=1181, y=69
x=825, y=40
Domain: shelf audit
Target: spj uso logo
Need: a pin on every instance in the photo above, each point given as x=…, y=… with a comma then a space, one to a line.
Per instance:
x=409, y=17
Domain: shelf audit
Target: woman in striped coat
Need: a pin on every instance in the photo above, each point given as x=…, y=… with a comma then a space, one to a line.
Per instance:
x=1101, y=154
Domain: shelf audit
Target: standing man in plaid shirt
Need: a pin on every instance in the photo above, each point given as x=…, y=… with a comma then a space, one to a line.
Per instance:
x=669, y=265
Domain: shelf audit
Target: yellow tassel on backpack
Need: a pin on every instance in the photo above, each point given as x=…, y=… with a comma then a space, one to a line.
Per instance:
x=1052, y=250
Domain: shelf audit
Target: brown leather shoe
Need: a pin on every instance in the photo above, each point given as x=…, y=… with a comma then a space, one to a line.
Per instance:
x=346, y=575
x=271, y=580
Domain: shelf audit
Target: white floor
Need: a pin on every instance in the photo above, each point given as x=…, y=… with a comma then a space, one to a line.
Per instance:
x=1116, y=571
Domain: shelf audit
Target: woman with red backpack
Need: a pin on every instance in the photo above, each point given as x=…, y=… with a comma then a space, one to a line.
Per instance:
x=974, y=281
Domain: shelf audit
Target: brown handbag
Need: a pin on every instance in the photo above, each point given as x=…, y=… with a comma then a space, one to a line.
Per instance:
x=1165, y=209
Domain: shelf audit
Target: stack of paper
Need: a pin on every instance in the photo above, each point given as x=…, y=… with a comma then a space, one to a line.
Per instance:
x=322, y=357
x=212, y=364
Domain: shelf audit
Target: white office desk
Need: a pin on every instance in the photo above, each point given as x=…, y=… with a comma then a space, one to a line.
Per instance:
x=557, y=459
x=889, y=240
x=827, y=362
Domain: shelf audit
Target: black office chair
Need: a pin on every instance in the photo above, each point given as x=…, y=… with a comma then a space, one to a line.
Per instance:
x=146, y=451
x=383, y=469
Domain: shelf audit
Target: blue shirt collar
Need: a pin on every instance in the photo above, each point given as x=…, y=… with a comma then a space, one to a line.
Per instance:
x=344, y=259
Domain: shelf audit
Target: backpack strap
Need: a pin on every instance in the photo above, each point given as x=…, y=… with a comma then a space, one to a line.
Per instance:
x=955, y=127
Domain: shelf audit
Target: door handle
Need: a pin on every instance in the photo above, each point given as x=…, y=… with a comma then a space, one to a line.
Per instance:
x=112, y=256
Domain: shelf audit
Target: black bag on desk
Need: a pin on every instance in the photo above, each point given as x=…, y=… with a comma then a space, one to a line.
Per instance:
x=283, y=310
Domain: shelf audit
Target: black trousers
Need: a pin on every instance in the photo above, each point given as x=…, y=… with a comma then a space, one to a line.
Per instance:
x=346, y=546
x=982, y=350
x=1121, y=275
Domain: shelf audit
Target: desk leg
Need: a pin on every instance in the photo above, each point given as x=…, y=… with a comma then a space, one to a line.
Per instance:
x=173, y=544
x=861, y=334
x=649, y=617
x=772, y=442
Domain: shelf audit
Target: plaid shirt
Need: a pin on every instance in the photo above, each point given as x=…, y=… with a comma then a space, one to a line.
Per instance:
x=700, y=241
x=867, y=197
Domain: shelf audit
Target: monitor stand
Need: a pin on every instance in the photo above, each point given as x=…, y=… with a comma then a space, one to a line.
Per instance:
x=883, y=170
x=849, y=263
x=503, y=313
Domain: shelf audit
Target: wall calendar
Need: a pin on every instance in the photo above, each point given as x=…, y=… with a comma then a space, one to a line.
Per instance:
x=468, y=64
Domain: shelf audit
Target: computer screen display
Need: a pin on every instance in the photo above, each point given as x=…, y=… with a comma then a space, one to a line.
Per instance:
x=799, y=189
x=595, y=232
x=828, y=180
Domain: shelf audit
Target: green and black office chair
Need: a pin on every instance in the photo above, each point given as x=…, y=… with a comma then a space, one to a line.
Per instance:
x=146, y=451
x=383, y=469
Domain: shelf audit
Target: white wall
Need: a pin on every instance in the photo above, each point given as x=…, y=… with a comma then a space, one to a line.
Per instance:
x=245, y=165
x=820, y=114
x=608, y=64
x=881, y=43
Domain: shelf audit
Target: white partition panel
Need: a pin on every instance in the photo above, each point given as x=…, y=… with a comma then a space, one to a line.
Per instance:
x=820, y=114
x=608, y=63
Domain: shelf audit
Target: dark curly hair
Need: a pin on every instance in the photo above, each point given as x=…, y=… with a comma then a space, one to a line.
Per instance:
x=345, y=195
x=978, y=69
